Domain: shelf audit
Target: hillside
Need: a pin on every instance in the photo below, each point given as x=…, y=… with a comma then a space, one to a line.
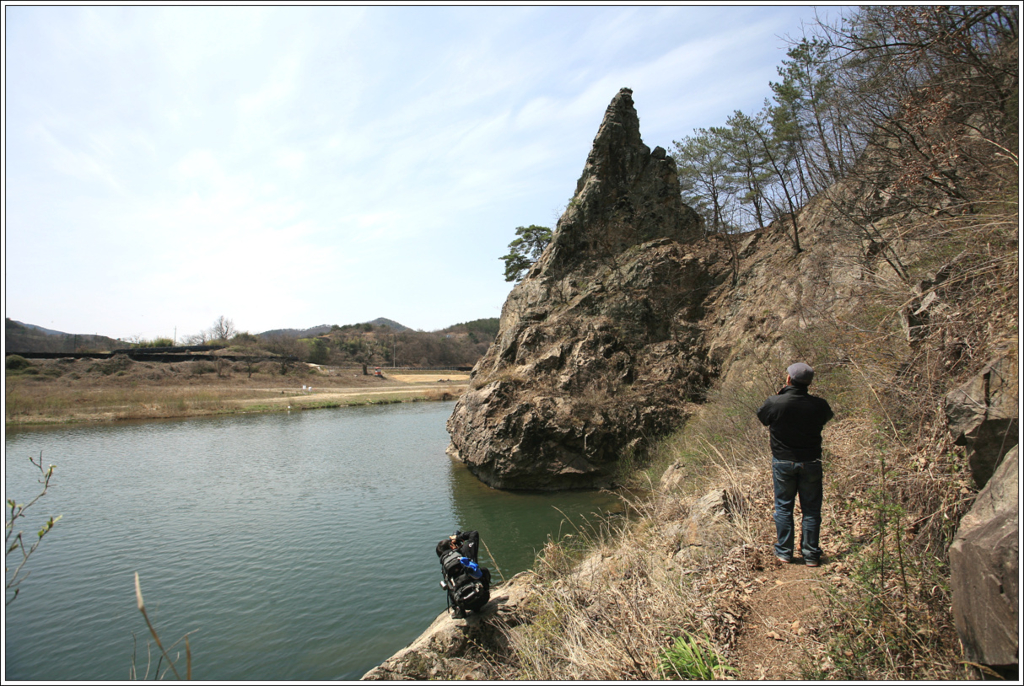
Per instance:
x=377, y=343
x=637, y=352
x=384, y=343
x=27, y=338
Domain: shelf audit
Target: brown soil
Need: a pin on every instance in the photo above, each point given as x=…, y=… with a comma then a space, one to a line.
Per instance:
x=778, y=637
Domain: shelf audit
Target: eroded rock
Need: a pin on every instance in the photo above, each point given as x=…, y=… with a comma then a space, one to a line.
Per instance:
x=454, y=649
x=985, y=572
x=598, y=347
x=983, y=415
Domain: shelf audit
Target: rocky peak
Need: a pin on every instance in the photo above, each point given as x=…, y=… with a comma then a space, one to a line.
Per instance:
x=627, y=195
x=598, y=345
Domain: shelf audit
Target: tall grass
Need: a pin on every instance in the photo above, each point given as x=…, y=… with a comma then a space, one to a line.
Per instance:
x=627, y=597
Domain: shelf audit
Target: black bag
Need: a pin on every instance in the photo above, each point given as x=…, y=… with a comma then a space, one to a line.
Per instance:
x=450, y=565
x=469, y=593
x=463, y=590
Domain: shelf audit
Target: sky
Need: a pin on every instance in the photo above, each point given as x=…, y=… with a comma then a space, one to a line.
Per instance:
x=286, y=167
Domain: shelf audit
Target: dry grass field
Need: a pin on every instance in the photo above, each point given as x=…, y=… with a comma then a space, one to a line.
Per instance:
x=64, y=391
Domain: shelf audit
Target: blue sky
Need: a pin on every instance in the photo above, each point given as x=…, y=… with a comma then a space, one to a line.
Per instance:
x=288, y=167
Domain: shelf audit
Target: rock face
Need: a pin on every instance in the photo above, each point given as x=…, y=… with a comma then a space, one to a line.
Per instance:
x=983, y=414
x=598, y=345
x=985, y=572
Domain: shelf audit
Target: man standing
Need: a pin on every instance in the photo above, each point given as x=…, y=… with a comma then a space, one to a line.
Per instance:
x=795, y=419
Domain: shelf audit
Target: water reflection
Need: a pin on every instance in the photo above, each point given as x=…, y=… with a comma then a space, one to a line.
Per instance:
x=508, y=521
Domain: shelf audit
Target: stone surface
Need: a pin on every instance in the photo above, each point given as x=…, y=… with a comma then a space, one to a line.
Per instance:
x=985, y=571
x=598, y=347
x=627, y=195
x=983, y=414
x=673, y=478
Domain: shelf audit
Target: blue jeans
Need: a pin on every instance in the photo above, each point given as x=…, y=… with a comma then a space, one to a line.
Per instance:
x=790, y=479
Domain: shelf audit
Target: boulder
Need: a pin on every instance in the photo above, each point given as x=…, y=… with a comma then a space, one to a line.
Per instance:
x=985, y=572
x=983, y=415
x=598, y=347
x=673, y=478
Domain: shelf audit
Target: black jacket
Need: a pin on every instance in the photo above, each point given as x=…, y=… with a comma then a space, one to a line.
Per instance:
x=795, y=419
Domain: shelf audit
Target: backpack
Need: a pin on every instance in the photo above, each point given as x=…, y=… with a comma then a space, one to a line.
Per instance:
x=463, y=590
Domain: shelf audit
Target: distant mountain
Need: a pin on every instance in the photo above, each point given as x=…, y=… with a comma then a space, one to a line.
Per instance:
x=325, y=328
x=29, y=338
x=296, y=333
x=381, y=321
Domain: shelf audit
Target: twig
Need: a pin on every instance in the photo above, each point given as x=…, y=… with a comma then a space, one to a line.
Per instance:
x=490, y=555
x=142, y=609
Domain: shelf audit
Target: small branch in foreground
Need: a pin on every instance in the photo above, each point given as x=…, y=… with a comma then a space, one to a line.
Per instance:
x=15, y=512
x=152, y=630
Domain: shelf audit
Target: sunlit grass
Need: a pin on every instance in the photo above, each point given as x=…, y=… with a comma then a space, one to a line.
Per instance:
x=32, y=402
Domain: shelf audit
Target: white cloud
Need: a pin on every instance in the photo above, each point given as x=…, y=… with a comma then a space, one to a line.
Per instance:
x=290, y=166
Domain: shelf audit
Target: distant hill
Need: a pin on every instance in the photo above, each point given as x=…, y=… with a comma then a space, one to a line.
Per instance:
x=385, y=342
x=381, y=321
x=29, y=338
x=326, y=328
x=48, y=332
x=487, y=327
x=296, y=333
x=376, y=342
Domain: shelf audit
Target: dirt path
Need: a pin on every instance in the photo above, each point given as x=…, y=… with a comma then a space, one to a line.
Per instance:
x=785, y=625
x=779, y=634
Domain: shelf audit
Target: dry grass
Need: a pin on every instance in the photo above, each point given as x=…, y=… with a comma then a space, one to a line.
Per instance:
x=28, y=403
x=611, y=600
x=59, y=391
x=613, y=597
x=429, y=376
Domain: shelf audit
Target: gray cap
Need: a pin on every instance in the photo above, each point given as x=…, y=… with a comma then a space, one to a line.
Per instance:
x=800, y=373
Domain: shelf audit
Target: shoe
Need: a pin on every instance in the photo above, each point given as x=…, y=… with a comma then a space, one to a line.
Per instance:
x=784, y=560
x=459, y=613
x=811, y=563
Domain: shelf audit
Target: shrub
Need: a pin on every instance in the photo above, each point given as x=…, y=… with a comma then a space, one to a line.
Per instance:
x=199, y=367
x=117, y=363
x=155, y=343
x=16, y=363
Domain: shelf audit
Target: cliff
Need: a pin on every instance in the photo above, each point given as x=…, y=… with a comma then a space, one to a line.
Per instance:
x=598, y=346
x=631, y=322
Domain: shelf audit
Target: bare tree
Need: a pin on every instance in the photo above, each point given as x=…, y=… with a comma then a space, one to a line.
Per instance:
x=223, y=329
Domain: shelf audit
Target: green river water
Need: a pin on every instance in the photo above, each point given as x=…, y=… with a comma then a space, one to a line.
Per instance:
x=295, y=546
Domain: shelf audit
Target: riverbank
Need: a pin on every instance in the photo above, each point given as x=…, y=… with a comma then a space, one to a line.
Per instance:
x=41, y=392
x=687, y=586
